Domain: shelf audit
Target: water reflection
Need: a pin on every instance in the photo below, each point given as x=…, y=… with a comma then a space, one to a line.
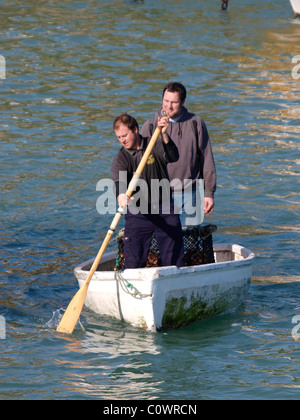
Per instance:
x=70, y=71
x=115, y=361
x=107, y=355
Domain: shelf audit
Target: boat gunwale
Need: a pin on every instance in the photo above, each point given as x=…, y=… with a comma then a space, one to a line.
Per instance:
x=154, y=272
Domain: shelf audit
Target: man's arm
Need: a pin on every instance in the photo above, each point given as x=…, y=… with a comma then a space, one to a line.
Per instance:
x=170, y=151
x=208, y=163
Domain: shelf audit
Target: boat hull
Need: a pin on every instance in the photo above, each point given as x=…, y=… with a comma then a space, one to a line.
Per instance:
x=295, y=6
x=161, y=298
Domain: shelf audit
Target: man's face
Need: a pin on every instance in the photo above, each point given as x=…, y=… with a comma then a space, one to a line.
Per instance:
x=129, y=139
x=171, y=104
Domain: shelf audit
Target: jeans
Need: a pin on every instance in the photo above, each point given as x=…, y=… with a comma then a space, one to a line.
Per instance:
x=190, y=205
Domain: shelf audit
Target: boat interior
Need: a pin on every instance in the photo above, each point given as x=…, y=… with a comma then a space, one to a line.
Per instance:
x=198, y=246
x=222, y=253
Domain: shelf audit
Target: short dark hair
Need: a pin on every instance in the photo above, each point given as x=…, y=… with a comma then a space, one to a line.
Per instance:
x=176, y=87
x=127, y=120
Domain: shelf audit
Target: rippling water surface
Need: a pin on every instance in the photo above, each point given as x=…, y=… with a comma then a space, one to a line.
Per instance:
x=71, y=67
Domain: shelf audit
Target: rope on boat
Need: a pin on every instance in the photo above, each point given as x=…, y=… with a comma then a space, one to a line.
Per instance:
x=130, y=288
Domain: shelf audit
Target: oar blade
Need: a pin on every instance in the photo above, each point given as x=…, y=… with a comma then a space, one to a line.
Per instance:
x=73, y=311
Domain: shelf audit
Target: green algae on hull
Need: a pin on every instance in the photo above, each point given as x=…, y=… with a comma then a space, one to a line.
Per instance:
x=182, y=311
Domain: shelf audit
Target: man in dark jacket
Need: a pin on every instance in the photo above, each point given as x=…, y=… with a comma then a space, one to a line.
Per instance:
x=151, y=211
x=190, y=135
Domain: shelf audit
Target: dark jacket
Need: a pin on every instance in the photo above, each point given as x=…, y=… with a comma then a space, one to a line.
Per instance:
x=155, y=168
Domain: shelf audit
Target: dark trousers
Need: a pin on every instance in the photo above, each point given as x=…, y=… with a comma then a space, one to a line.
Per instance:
x=139, y=229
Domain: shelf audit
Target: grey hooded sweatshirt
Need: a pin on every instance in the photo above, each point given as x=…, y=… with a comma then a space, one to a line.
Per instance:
x=191, y=137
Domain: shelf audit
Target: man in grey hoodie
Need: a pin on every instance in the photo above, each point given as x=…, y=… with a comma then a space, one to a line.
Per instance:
x=190, y=135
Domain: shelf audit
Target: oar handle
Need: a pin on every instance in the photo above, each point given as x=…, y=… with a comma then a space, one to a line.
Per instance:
x=148, y=151
x=136, y=176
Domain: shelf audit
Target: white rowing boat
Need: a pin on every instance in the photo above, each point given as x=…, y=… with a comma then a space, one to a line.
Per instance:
x=296, y=7
x=160, y=298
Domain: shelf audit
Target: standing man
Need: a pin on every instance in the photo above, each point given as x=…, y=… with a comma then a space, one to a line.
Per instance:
x=196, y=161
x=155, y=214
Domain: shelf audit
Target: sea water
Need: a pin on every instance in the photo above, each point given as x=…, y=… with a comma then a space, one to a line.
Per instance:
x=68, y=69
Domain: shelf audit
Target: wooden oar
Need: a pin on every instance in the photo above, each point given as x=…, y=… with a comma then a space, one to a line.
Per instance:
x=73, y=311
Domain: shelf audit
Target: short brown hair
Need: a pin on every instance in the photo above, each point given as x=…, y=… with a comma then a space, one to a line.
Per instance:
x=176, y=87
x=127, y=120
